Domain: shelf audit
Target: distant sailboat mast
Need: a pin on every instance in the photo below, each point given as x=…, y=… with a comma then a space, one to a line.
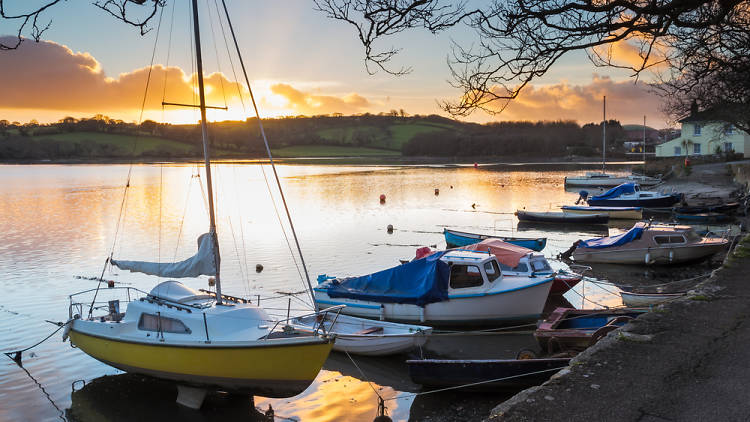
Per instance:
x=204, y=131
x=604, y=133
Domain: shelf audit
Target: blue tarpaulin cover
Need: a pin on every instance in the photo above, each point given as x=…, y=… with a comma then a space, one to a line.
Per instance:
x=616, y=191
x=610, y=241
x=418, y=282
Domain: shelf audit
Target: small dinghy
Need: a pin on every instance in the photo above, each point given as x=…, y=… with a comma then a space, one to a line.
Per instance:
x=457, y=239
x=561, y=217
x=485, y=374
x=631, y=195
x=614, y=213
x=636, y=300
x=363, y=336
x=568, y=329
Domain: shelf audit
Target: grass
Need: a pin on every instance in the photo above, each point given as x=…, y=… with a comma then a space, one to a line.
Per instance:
x=331, y=151
x=145, y=144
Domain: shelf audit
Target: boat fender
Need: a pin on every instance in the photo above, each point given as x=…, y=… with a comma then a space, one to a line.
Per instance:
x=389, y=229
x=648, y=257
x=671, y=255
x=421, y=314
x=382, y=312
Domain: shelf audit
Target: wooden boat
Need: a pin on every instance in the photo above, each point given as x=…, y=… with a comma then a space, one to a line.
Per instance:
x=568, y=329
x=201, y=340
x=703, y=217
x=506, y=375
x=614, y=213
x=457, y=239
x=561, y=217
x=636, y=300
x=607, y=180
x=445, y=288
x=647, y=244
x=631, y=195
x=361, y=336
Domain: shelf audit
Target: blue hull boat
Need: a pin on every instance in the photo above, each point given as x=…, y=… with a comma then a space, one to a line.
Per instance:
x=631, y=195
x=457, y=239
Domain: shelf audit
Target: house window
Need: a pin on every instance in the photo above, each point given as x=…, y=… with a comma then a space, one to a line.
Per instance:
x=463, y=276
x=729, y=130
x=697, y=130
x=728, y=147
x=696, y=148
x=677, y=151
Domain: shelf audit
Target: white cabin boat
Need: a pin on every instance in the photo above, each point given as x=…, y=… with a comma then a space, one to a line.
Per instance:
x=447, y=288
x=607, y=180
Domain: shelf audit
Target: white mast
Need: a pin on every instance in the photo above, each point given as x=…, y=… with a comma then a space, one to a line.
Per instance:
x=644, y=145
x=604, y=133
x=204, y=131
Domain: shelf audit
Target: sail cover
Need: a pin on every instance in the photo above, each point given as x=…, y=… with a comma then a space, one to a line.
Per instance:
x=202, y=263
x=616, y=191
x=506, y=253
x=418, y=282
x=610, y=241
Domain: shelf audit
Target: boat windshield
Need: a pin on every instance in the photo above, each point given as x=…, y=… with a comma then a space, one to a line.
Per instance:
x=492, y=271
x=693, y=236
x=540, y=265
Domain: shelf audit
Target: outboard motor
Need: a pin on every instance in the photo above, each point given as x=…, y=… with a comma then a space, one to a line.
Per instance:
x=582, y=195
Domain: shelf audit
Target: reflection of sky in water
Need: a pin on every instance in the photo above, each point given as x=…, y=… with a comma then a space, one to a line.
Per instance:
x=58, y=222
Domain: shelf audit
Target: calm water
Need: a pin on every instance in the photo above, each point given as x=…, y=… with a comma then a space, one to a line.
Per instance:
x=59, y=224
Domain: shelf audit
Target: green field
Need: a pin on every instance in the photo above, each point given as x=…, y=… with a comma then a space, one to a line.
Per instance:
x=123, y=144
x=330, y=151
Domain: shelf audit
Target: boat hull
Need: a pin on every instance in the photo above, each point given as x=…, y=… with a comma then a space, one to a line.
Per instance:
x=660, y=202
x=647, y=256
x=489, y=373
x=524, y=304
x=615, y=213
x=268, y=370
x=636, y=300
x=562, y=217
x=456, y=239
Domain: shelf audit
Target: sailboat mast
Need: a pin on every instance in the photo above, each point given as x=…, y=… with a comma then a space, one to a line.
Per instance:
x=207, y=157
x=604, y=132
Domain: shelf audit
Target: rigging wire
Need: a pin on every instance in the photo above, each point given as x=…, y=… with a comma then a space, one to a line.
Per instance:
x=268, y=150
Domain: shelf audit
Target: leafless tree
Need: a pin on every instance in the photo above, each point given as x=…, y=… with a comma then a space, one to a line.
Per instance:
x=32, y=21
x=520, y=40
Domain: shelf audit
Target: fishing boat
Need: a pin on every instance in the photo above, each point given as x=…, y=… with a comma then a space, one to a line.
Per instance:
x=614, y=213
x=647, y=244
x=367, y=337
x=517, y=261
x=506, y=375
x=635, y=300
x=452, y=287
x=631, y=195
x=457, y=239
x=200, y=340
x=569, y=329
x=561, y=217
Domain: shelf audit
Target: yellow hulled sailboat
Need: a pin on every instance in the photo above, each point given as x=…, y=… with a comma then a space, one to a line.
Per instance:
x=201, y=340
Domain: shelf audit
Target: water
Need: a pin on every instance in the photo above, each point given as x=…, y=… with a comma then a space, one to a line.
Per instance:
x=60, y=223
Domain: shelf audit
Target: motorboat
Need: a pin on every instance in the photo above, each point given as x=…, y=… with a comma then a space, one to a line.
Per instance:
x=608, y=180
x=362, y=336
x=457, y=239
x=648, y=244
x=201, y=340
x=631, y=195
x=561, y=217
x=453, y=287
x=614, y=213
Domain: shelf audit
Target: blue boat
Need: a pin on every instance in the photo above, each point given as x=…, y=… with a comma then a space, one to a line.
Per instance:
x=631, y=195
x=457, y=239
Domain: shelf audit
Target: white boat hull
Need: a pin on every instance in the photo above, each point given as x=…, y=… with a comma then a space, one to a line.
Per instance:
x=647, y=256
x=613, y=214
x=610, y=182
x=492, y=307
x=639, y=300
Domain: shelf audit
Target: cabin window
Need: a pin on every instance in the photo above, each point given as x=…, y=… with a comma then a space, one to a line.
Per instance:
x=520, y=268
x=697, y=130
x=676, y=239
x=677, y=151
x=463, y=276
x=151, y=322
x=693, y=236
x=540, y=265
x=492, y=271
x=663, y=240
x=696, y=148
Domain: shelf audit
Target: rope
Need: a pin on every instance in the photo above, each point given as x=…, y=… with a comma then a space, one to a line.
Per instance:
x=17, y=353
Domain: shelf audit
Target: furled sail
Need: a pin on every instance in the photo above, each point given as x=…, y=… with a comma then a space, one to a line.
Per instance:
x=202, y=263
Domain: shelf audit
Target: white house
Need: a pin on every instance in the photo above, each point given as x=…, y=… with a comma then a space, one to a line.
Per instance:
x=705, y=136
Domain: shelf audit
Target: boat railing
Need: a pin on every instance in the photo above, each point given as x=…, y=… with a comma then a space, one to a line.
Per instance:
x=318, y=327
x=77, y=305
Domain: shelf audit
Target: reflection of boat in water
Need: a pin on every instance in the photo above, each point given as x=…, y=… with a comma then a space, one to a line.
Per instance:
x=147, y=399
x=381, y=370
x=457, y=239
x=648, y=244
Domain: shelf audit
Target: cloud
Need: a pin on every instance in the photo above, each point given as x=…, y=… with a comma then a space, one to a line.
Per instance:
x=46, y=76
x=306, y=103
x=627, y=102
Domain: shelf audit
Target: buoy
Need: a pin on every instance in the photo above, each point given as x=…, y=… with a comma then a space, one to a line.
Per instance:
x=437, y=191
x=390, y=228
x=451, y=186
x=476, y=165
x=258, y=268
x=211, y=281
x=382, y=198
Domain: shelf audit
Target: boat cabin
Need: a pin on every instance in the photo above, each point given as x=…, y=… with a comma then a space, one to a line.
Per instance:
x=471, y=269
x=529, y=266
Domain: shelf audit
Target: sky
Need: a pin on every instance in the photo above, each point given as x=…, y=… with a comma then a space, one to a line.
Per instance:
x=299, y=62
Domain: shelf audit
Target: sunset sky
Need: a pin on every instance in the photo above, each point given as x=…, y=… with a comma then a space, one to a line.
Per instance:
x=299, y=62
